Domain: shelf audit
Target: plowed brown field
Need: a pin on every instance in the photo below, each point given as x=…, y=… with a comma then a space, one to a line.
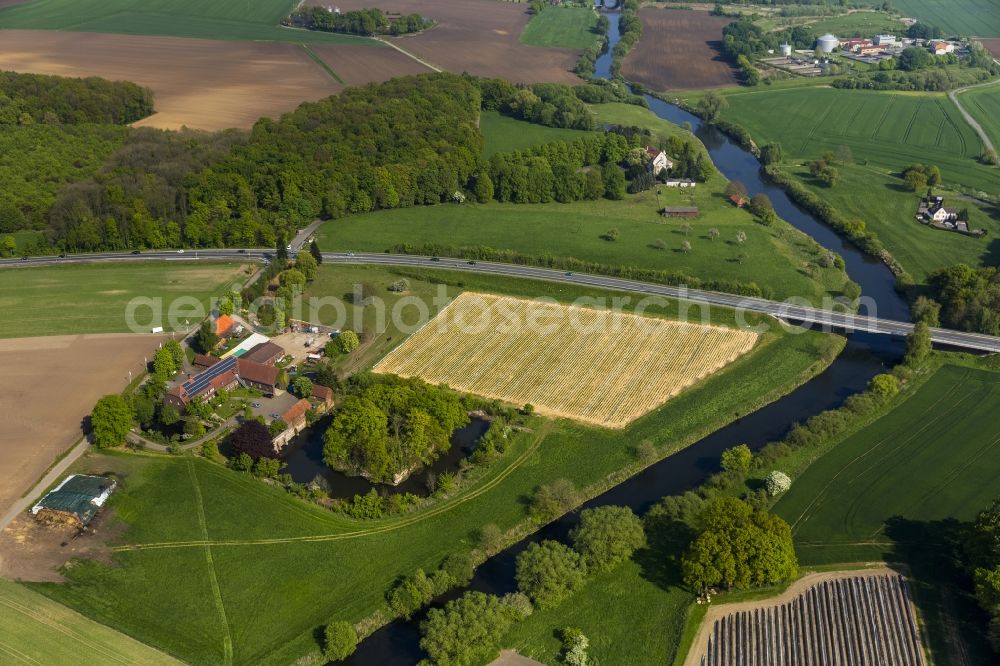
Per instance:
x=476, y=36
x=49, y=385
x=993, y=45
x=679, y=50
x=204, y=84
x=358, y=65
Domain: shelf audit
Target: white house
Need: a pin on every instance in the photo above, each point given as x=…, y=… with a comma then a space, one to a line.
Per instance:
x=943, y=214
x=658, y=160
x=941, y=48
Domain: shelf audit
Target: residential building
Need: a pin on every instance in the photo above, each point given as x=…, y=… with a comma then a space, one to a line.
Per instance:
x=658, y=160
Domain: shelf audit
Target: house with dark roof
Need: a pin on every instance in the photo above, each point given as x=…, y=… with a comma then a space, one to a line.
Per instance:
x=204, y=361
x=679, y=211
x=266, y=353
x=324, y=394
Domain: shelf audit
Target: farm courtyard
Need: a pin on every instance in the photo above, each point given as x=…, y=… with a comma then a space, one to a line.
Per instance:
x=601, y=367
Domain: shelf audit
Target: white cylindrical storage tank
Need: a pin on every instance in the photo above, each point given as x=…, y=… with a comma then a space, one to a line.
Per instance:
x=786, y=49
x=827, y=43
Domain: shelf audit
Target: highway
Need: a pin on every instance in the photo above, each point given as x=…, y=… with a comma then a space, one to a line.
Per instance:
x=785, y=311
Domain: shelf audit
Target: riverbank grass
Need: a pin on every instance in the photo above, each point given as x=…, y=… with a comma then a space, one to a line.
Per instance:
x=212, y=561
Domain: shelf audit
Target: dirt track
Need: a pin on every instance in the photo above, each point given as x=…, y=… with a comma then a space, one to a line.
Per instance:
x=479, y=37
x=679, y=50
x=50, y=385
x=360, y=65
x=199, y=83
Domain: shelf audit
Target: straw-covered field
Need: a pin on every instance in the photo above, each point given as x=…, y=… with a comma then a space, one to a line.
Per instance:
x=601, y=367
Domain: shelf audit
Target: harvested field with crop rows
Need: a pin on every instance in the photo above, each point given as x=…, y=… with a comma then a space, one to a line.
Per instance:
x=601, y=367
x=847, y=621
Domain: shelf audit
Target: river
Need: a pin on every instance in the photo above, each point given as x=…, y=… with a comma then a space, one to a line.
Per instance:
x=865, y=356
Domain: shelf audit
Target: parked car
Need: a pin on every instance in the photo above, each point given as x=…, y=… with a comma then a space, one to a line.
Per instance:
x=257, y=405
x=275, y=415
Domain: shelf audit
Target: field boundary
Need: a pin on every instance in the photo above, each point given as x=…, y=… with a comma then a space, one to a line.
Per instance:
x=227, y=639
x=973, y=123
x=322, y=63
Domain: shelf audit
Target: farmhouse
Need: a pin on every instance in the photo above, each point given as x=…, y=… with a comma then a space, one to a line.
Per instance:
x=941, y=48
x=75, y=501
x=225, y=374
x=658, y=160
x=324, y=395
x=933, y=212
x=679, y=211
x=295, y=420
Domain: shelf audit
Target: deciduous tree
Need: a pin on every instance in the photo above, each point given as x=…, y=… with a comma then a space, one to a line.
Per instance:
x=607, y=536
x=110, y=421
x=549, y=572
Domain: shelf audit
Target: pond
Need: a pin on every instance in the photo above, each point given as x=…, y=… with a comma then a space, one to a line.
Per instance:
x=304, y=461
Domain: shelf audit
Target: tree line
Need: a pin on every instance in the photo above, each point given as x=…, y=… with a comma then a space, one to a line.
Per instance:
x=37, y=98
x=358, y=22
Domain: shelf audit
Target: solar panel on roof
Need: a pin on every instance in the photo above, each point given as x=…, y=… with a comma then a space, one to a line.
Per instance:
x=198, y=384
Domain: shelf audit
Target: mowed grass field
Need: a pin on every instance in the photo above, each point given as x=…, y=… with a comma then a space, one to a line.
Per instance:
x=596, y=366
x=219, y=19
x=931, y=458
x=562, y=27
x=36, y=630
x=92, y=298
x=503, y=133
x=283, y=568
x=978, y=18
x=984, y=105
x=886, y=129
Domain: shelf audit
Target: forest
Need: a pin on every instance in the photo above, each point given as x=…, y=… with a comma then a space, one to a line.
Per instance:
x=969, y=298
x=358, y=22
x=36, y=98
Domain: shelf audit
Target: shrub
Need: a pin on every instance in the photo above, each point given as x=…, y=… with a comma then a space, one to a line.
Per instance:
x=607, y=536
x=553, y=500
x=777, y=483
x=737, y=459
x=549, y=572
x=339, y=640
x=574, y=647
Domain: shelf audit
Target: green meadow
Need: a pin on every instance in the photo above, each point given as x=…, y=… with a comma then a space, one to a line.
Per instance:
x=984, y=105
x=980, y=18
x=889, y=130
x=37, y=630
x=562, y=27
x=220, y=19
x=864, y=24
x=504, y=134
x=91, y=298
x=889, y=209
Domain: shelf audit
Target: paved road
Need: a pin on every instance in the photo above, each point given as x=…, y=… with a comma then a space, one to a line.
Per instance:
x=973, y=123
x=54, y=473
x=785, y=311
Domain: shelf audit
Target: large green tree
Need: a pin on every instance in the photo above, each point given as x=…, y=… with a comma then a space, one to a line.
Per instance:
x=467, y=631
x=736, y=546
x=110, y=421
x=607, y=536
x=549, y=572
